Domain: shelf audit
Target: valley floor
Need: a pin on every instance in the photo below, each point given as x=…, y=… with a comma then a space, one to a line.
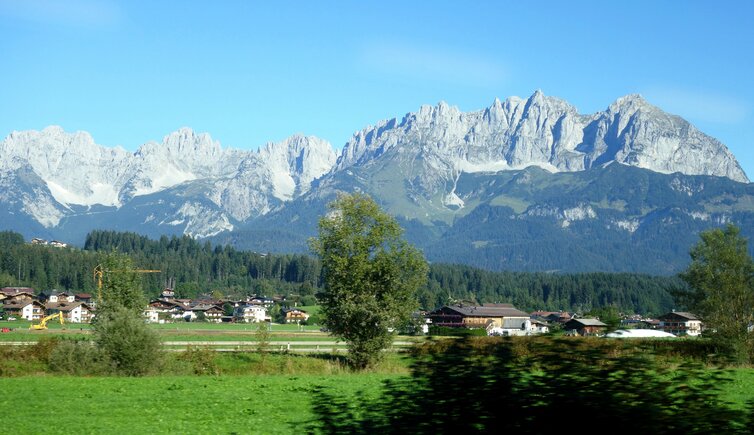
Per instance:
x=259, y=404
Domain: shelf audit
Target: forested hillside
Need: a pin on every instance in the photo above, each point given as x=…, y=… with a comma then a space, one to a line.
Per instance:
x=200, y=268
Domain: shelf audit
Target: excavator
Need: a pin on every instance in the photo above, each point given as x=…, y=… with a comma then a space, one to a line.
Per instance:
x=43, y=323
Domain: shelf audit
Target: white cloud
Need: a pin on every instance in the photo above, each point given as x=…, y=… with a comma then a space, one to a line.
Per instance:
x=433, y=63
x=77, y=13
x=699, y=105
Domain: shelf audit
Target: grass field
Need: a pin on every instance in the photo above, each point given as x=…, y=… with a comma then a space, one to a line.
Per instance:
x=271, y=404
x=261, y=404
x=181, y=331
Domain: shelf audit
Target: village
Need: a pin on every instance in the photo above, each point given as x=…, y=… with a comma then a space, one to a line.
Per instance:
x=488, y=319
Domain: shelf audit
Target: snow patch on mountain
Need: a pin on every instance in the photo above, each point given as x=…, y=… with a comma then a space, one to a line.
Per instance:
x=42, y=209
x=435, y=143
x=77, y=171
x=630, y=225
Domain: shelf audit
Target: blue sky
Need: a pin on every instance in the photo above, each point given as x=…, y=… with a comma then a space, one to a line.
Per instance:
x=250, y=72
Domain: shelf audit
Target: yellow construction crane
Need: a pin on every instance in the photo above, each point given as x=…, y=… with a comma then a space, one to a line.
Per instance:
x=43, y=323
x=99, y=271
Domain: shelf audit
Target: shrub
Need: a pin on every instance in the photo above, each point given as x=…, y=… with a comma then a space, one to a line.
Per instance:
x=131, y=348
x=41, y=350
x=445, y=331
x=78, y=358
x=499, y=385
x=202, y=360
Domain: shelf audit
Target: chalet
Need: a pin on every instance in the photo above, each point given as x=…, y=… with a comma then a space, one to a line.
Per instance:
x=168, y=293
x=539, y=327
x=24, y=309
x=58, y=244
x=169, y=308
x=251, y=314
x=73, y=312
x=504, y=316
x=294, y=315
x=38, y=241
x=585, y=327
x=49, y=296
x=17, y=293
x=66, y=296
x=261, y=300
x=212, y=313
x=83, y=297
x=151, y=315
x=680, y=323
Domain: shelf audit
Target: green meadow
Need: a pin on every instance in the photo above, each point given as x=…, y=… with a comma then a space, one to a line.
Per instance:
x=257, y=404
x=242, y=404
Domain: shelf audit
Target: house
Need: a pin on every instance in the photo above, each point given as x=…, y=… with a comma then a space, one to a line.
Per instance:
x=212, y=313
x=539, y=327
x=17, y=293
x=294, y=315
x=680, y=323
x=73, y=312
x=58, y=244
x=168, y=308
x=251, y=314
x=503, y=316
x=261, y=300
x=50, y=296
x=585, y=327
x=38, y=241
x=66, y=296
x=152, y=315
x=24, y=309
x=552, y=316
x=83, y=297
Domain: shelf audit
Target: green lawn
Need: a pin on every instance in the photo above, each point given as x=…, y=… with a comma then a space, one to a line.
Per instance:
x=260, y=404
x=181, y=331
x=741, y=389
x=266, y=404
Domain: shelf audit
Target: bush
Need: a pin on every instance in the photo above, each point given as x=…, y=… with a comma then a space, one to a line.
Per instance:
x=78, y=358
x=202, y=360
x=444, y=331
x=536, y=386
x=131, y=348
x=41, y=350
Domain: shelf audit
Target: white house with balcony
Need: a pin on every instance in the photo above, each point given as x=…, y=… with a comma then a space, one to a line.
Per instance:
x=251, y=314
x=680, y=323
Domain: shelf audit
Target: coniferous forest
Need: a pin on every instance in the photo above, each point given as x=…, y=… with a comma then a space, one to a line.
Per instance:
x=221, y=271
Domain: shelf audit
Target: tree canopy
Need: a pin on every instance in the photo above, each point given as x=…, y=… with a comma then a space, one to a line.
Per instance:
x=721, y=282
x=370, y=275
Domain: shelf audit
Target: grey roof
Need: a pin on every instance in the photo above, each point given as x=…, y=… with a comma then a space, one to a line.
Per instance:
x=513, y=323
x=20, y=304
x=503, y=310
x=204, y=307
x=63, y=306
x=589, y=322
x=12, y=291
x=684, y=314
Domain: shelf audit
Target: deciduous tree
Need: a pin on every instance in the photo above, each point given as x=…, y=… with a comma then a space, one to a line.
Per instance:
x=721, y=282
x=370, y=275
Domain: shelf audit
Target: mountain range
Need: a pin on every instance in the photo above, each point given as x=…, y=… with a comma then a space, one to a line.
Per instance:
x=525, y=184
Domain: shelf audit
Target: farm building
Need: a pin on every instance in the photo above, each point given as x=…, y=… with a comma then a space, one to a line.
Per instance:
x=585, y=326
x=503, y=316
